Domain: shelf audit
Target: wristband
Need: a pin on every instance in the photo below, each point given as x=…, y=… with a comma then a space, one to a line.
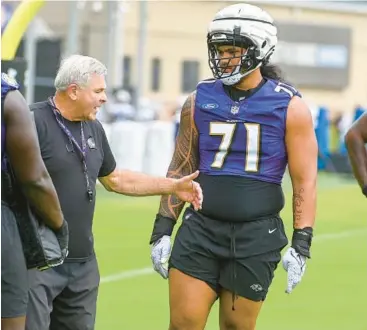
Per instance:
x=162, y=226
x=301, y=241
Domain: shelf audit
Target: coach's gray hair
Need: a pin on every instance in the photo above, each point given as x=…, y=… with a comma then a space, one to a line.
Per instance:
x=77, y=69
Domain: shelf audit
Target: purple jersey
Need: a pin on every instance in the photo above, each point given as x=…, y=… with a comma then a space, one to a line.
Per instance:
x=245, y=138
x=7, y=84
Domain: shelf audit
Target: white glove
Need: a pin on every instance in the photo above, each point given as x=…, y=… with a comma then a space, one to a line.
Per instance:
x=160, y=254
x=295, y=265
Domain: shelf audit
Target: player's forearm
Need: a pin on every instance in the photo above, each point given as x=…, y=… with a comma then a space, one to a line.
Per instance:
x=304, y=203
x=171, y=207
x=43, y=198
x=185, y=159
x=358, y=157
x=139, y=184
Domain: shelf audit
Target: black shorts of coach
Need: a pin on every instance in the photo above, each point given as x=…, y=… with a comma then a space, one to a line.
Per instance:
x=14, y=280
x=240, y=257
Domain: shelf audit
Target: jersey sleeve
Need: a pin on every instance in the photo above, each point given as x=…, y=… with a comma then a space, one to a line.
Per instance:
x=289, y=89
x=7, y=84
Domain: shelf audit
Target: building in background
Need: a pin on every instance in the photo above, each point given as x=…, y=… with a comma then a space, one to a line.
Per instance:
x=322, y=45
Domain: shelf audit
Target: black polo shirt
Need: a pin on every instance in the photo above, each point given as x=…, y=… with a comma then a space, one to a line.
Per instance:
x=64, y=163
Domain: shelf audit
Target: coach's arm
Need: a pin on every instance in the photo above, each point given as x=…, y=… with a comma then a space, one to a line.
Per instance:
x=132, y=183
x=355, y=140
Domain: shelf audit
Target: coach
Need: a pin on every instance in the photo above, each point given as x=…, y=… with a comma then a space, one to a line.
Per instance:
x=76, y=152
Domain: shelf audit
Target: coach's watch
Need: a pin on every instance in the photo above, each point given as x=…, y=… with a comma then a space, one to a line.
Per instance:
x=364, y=190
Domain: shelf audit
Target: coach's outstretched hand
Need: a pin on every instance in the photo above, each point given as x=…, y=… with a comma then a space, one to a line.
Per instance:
x=189, y=191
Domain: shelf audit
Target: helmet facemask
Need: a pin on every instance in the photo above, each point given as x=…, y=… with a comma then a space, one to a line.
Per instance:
x=249, y=60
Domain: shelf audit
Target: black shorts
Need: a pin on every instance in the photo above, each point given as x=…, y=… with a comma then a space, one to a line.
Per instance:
x=14, y=277
x=239, y=257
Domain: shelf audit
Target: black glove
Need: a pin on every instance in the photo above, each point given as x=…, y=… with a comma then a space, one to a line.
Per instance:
x=301, y=241
x=62, y=235
x=162, y=226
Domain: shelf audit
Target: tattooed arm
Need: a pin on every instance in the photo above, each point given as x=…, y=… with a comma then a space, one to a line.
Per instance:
x=301, y=145
x=185, y=160
x=302, y=162
x=356, y=140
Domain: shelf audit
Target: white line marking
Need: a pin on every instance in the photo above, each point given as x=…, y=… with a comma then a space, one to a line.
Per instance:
x=149, y=270
x=127, y=274
x=350, y=233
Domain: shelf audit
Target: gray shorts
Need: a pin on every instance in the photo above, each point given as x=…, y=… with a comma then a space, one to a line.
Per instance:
x=14, y=282
x=64, y=297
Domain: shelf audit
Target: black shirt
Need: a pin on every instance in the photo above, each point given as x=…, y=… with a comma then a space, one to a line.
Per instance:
x=64, y=163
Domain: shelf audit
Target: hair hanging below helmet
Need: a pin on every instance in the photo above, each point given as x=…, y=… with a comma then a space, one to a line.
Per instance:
x=272, y=72
x=245, y=26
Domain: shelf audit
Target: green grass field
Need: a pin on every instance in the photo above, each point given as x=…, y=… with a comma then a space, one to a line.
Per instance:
x=332, y=295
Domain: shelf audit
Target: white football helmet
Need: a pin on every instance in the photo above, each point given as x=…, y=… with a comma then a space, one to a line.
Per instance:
x=245, y=26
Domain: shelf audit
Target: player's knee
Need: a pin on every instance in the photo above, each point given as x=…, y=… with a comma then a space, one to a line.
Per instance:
x=184, y=321
x=244, y=324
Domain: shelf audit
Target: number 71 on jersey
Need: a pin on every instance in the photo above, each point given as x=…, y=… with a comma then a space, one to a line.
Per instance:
x=227, y=130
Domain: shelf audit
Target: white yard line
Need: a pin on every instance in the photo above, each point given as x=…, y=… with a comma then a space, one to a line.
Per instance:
x=149, y=270
x=349, y=233
x=127, y=274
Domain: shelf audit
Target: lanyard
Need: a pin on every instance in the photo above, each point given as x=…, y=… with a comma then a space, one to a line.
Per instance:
x=82, y=149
